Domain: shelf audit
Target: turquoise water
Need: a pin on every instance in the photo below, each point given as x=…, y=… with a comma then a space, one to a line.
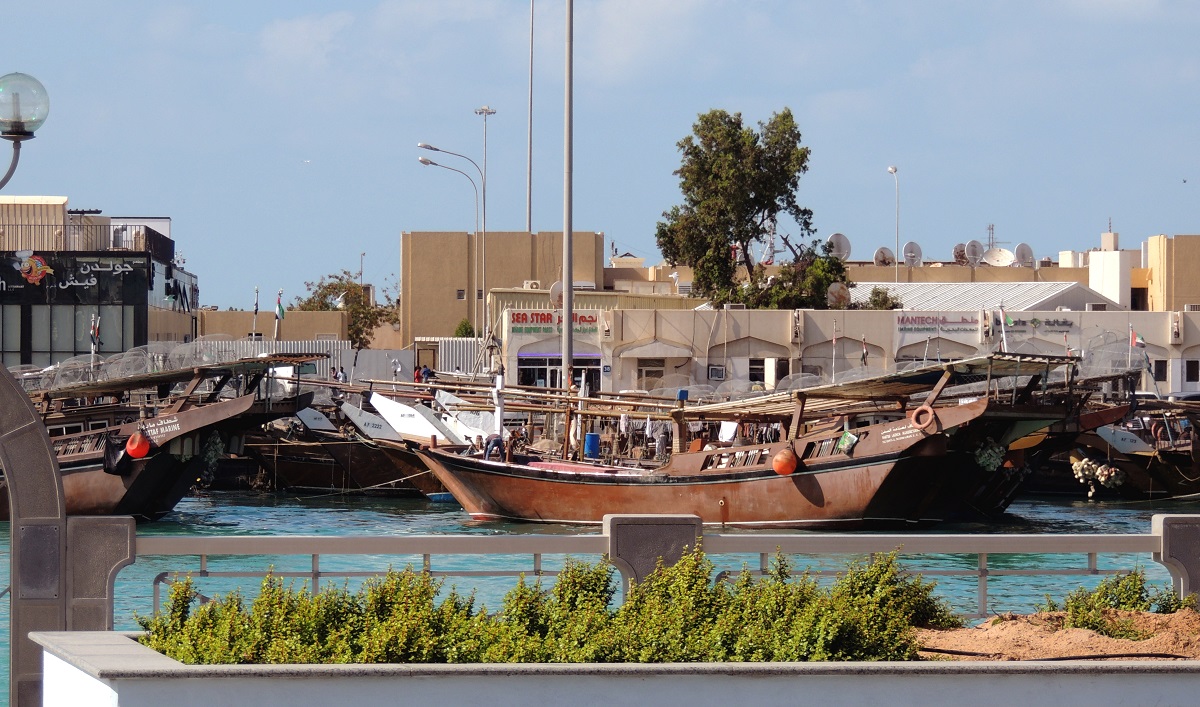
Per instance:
x=240, y=514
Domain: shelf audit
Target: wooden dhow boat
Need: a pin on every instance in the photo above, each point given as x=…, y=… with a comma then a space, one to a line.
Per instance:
x=856, y=454
x=135, y=445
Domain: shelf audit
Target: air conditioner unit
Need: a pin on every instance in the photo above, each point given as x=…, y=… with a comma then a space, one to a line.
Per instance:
x=532, y=285
x=1097, y=306
x=1191, y=307
x=734, y=305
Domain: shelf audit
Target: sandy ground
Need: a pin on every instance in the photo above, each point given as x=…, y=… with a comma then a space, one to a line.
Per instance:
x=1039, y=637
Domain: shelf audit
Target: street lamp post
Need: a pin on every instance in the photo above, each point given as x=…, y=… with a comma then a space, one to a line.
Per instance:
x=483, y=177
x=430, y=163
x=485, y=111
x=896, y=254
x=23, y=108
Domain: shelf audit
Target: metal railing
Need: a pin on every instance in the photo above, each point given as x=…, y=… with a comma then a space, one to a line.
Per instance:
x=764, y=546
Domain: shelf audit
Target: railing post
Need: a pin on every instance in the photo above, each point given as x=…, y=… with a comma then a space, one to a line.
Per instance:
x=637, y=542
x=1180, y=553
x=983, y=584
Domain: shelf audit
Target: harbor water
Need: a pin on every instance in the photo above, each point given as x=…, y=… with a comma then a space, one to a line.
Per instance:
x=273, y=514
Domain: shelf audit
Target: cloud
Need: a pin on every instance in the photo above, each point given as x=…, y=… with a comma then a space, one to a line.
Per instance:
x=619, y=39
x=301, y=44
x=1113, y=10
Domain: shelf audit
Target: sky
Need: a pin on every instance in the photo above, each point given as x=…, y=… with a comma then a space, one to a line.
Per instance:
x=281, y=137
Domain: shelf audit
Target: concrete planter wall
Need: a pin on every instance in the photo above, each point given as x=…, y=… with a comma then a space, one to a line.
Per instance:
x=106, y=668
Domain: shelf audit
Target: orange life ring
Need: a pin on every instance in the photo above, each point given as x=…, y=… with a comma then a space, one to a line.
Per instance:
x=923, y=417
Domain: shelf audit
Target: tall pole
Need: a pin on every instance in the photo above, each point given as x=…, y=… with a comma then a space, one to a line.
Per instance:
x=474, y=271
x=568, y=281
x=892, y=170
x=485, y=111
x=361, y=256
x=529, y=137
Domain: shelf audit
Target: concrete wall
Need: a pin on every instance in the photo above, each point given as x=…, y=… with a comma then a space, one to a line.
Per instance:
x=105, y=669
x=1110, y=273
x=296, y=325
x=436, y=265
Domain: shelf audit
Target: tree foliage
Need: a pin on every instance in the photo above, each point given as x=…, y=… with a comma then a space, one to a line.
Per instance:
x=342, y=291
x=737, y=182
x=881, y=298
x=464, y=328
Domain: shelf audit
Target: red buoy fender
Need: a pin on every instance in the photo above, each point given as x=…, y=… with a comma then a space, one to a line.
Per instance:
x=784, y=461
x=923, y=417
x=138, y=445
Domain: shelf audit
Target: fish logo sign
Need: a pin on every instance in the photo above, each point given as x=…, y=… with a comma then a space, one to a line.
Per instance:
x=32, y=267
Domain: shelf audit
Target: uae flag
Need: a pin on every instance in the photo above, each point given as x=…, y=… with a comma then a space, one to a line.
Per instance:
x=1135, y=339
x=279, y=306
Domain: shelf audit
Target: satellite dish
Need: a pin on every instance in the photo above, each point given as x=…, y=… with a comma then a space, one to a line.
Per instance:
x=838, y=296
x=1024, y=255
x=556, y=294
x=839, y=246
x=884, y=257
x=974, y=253
x=912, y=254
x=999, y=257
x=960, y=254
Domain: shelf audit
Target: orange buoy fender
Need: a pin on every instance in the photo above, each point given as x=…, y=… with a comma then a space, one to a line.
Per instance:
x=784, y=461
x=923, y=417
x=138, y=445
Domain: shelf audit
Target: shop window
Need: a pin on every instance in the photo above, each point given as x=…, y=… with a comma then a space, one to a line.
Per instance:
x=758, y=370
x=650, y=369
x=1160, y=371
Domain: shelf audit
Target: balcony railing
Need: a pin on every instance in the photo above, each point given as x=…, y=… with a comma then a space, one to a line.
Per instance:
x=914, y=550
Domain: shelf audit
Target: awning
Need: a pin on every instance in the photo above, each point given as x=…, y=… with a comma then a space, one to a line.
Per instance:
x=657, y=348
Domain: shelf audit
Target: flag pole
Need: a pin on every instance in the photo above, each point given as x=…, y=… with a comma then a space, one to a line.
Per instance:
x=254, y=320
x=278, y=313
x=1129, y=358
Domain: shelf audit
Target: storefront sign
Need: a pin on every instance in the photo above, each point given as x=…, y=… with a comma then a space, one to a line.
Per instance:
x=542, y=322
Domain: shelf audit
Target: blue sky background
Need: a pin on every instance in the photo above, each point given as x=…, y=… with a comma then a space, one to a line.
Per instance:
x=280, y=137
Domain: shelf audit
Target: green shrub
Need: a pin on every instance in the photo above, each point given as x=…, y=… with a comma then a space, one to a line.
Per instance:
x=1094, y=609
x=678, y=614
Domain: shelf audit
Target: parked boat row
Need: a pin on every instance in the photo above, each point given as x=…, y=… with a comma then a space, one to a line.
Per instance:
x=136, y=444
x=946, y=441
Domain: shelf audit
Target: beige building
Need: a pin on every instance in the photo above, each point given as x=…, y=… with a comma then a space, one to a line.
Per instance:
x=296, y=325
x=731, y=349
x=444, y=277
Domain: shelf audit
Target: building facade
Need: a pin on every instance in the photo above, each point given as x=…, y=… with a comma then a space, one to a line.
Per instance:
x=79, y=283
x=445, y=277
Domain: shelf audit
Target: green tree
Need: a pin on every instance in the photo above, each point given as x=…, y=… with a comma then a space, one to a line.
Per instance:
x=464, y=328
x=735, y=182
x=342, y=291
x=881, y=298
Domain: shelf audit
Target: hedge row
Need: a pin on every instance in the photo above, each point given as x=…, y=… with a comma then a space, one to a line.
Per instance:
x=679, y=614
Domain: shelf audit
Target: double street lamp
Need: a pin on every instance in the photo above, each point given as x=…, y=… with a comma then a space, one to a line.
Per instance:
x=484, y=111
x=430, y=163
x=24, y=106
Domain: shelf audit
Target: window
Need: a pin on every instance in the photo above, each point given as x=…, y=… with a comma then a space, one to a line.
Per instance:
x=758, y=370
x=478, y=294
x=1160, y=371
x=1191, y=370
x=650, y=371
x=460, y=294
